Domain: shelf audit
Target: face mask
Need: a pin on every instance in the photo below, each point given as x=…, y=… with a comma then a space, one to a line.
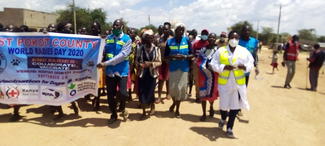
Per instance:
x=117, y=32
x=222, y=40
x=204, y=37
x=233, y=42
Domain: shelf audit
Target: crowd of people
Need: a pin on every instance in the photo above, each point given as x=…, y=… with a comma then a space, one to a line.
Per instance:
x=218, y=65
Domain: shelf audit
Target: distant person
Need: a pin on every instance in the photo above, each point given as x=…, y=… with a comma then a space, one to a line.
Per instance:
x=231, y=62
x=163, y=69
x=95, y=29
x=290, y=56
x=51, y=28
x=192, y=35
x=251, y=44
x=82, y=30
x=1, y=27
x=132, y=78
x=222, y=41
x=274, y=62
x=23, y=28
x=68, y=28
x=178, y=52
x=11, y=28
x=316, y=61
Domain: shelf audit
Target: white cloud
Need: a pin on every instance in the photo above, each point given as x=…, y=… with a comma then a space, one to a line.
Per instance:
x=215, y=15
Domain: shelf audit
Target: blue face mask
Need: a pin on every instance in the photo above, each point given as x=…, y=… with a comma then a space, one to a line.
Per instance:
x=204, y=37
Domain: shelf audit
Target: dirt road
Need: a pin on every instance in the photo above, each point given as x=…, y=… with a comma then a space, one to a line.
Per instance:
x=278, y=116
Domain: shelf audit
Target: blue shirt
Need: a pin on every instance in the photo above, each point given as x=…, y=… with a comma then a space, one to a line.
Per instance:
x=252, y=46
x=183, y=48
x=117, y=50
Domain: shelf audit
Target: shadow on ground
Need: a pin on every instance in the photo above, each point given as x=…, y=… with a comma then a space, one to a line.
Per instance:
x=212, y=133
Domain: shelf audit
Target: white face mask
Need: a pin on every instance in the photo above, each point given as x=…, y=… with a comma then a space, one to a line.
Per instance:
x=233, y=42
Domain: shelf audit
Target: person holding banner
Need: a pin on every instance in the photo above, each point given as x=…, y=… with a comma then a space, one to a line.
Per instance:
x=232, y=62
x=16, y=116
x=116, y=62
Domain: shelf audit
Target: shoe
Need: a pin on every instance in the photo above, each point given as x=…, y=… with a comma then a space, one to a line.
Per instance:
x=59, y=116
x=286, y=86
x=119, y=110
x=152, y=112
x=177, y=115
x=171, y=108
x=230, y=134
x=289, y=86
x=211, y=113
x=203, y=118
x=240, y=114
x=221, y=124
x=75, y=109
x=15, y=118
x=125, y=114
x=111, y=120
x=168, y=97
x=143, y=117
x=158, y=101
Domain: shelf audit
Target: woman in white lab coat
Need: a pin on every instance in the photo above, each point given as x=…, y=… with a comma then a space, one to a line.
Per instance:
x=231, y=62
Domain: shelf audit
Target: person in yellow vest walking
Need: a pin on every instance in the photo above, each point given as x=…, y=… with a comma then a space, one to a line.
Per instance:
x=231, y=62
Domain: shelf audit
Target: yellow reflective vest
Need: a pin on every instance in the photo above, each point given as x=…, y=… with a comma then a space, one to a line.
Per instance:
x=224, y=76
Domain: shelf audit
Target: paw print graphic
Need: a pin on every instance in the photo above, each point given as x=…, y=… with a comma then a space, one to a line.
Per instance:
x=15, y=62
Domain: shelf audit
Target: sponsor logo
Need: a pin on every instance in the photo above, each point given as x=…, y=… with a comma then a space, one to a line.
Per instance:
x=72, y=88
x=29, y=90
x=13, y=93
x=73, y=92
x=3, y=62
x=51, y=93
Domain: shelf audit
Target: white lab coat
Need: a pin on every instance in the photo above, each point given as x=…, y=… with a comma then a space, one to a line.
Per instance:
x=229, y=99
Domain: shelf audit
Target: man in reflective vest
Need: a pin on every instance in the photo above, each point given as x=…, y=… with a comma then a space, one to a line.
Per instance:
x=290, y=57
x=232, y=62
x=117, y=49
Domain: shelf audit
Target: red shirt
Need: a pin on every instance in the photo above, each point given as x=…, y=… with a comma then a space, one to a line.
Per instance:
x=197, y=45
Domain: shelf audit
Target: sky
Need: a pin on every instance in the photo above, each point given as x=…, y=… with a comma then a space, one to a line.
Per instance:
x=214, y=15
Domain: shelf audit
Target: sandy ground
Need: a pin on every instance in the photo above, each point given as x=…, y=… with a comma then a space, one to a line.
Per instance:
x=278, y=116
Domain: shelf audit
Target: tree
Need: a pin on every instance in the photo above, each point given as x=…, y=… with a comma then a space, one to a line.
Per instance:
x=284, y=37
x=239, y=25
x=321, y=39
x=154, y=28
x=267, y=36
x=307, y=35
x=85, y=17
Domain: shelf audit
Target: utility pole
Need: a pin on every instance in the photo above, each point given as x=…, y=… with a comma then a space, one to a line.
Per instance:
x=257, y=29
x=149, y=19
x=74, y=17
x=279, y=21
